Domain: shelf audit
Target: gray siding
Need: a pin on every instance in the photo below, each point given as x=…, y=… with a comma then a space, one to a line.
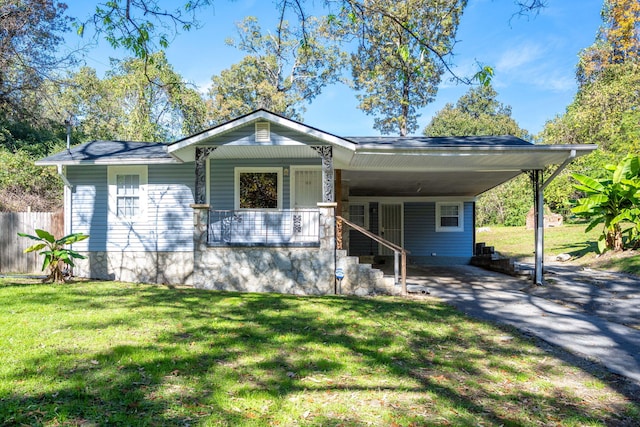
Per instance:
x=89, y=209
x=422, y=240
x=222, y=178
x=167, y=225
x=420, y=236
x=359, y=244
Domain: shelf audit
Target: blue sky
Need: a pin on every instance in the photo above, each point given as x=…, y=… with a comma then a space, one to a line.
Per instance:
x=534, y=58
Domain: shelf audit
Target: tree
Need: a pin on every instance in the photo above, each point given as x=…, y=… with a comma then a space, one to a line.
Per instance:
x=24, y=185
x=617, y=41
x=399, y=60
x=142, y=26
x=478, y=112
x=612, y=202
x=30, y=37
x=279, y=73
x=137, y=100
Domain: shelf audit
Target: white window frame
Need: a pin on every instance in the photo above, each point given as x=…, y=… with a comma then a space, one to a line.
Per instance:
x=112, y=178
x=459, y=227
x=236, y=191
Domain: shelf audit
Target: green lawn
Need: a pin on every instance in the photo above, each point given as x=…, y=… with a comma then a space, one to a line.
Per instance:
x=108, y=353
x=518, y=242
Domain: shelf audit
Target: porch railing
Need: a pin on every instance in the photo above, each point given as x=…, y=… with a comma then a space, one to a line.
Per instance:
x=400, y=253
x=249, y=227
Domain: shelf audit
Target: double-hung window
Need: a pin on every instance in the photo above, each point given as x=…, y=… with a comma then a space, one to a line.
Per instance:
x=127, y=195
x=127, y=191
x=449, y=216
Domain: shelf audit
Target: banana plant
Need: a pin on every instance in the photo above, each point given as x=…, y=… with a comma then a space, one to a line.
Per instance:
x=56, y=256
x=613, y=202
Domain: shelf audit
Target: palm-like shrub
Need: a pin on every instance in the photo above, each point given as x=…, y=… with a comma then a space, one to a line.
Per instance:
x=56, y=256
x=613, y=202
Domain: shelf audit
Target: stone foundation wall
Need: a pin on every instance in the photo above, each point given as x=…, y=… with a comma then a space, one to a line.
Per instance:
x=302, y=271
x=140, y=267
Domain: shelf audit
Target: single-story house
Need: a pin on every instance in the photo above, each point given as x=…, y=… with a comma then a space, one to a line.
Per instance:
x=265, y=203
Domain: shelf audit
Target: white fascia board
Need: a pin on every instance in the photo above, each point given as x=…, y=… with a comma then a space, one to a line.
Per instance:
x=452, y=150
x=113, y=162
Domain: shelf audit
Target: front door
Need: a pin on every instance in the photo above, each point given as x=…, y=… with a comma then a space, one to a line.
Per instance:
x=390, y=221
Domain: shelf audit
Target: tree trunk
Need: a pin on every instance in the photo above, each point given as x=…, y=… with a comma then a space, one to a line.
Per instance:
x=614, y=239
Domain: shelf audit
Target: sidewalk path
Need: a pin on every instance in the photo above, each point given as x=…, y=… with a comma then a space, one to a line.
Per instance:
x=575, y=326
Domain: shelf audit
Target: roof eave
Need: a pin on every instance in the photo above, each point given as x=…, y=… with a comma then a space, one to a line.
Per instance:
x=108, y=162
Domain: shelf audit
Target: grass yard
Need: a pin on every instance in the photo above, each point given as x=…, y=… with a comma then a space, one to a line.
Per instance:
x=108, y=353
x=518, y=242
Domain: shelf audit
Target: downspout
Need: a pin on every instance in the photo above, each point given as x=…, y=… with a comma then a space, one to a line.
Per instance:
x=539, y=215
x=68, y=188
x=66, y=182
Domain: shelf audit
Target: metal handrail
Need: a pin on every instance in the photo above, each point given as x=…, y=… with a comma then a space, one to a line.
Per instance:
x=395, y=248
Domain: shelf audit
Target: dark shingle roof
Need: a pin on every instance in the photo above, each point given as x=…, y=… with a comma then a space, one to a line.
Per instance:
x=111, y=151
x=128, y=152
x=437, y=141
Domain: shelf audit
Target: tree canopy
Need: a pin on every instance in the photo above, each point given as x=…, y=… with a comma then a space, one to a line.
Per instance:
x=30, y=39
x=478, y=112
x=617, y=41
x=279, y=73
x=137, y=100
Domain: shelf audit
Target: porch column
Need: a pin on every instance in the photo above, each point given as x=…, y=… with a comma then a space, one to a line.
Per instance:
x=326, y=153
x=202, y=153
x=338, y=193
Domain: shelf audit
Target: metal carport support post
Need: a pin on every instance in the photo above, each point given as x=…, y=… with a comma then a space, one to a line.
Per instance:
x=539, y=187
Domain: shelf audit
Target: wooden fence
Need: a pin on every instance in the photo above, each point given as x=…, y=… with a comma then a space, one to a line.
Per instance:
x=12, y=258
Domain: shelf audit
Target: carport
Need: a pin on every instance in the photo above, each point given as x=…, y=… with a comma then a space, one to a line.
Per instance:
x=456, y=166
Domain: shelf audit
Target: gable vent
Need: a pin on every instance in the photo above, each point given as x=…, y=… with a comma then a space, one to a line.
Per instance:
x=263, y=134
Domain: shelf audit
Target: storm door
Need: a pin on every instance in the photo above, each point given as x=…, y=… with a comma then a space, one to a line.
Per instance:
x=307, y=192
x=390, y=220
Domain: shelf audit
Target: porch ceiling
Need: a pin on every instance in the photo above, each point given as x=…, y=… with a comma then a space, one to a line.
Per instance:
x=454, y=171
x=423, y=184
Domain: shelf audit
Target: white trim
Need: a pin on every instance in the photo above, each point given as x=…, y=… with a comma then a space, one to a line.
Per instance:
x=236, y=182
x=112, y=162
x=292, y=181
x=112, y=173
x=68, y=204
x=460, y=227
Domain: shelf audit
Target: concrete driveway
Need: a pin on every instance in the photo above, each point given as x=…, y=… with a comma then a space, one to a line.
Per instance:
x=583, y=311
